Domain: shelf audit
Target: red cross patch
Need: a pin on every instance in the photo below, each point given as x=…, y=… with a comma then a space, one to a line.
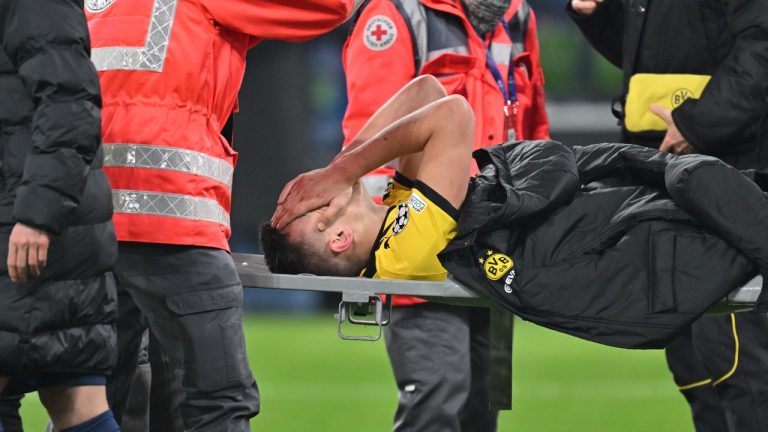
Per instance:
x=380, y=33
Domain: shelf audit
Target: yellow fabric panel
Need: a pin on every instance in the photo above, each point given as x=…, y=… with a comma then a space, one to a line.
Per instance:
x=667, y=90
x=395, y=193
x=408, y=251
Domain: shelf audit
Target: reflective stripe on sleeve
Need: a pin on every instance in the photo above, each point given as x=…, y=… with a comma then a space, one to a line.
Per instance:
x=150, y=57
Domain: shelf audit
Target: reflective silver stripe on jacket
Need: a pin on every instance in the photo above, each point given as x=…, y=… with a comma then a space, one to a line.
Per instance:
x=171, y=205
x=445, y=38
x=168, y=158
x=501, y=53
x=454, y=50
x=355, y=7
x=518, y=27
x=417, y=16
x=150, y=57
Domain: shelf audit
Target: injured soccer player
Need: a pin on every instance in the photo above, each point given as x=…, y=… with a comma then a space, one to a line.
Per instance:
x=614, y=243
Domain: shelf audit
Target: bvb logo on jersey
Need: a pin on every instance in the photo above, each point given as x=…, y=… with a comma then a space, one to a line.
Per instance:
x=97, y=5
x=401, y=219
x=495, y=264
x=679, y=96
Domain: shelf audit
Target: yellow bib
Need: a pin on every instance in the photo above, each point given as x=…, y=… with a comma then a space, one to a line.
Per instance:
x=667, y=90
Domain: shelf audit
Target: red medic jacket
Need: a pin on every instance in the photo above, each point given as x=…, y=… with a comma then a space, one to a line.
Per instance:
x=395, y=40
x=170, y=71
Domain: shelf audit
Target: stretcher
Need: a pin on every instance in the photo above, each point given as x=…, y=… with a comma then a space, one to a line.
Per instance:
x=359, y=295
x=362, y=304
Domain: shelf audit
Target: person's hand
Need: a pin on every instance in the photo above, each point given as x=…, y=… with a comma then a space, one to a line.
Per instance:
x=674, y=141
x=308, y=192
x=585, y=7
x=27, y=252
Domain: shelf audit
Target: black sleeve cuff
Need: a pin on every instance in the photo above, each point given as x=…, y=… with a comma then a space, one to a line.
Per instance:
x=403, y=180
x=437, y=199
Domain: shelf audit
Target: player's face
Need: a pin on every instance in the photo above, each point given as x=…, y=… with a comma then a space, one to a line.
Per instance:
x=304, y=225
x=304, y=228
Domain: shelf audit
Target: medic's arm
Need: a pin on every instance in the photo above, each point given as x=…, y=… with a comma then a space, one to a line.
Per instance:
x=52, y=58
x=375, y=73
x=735, y=100
x=290, y=20
x=540, y=120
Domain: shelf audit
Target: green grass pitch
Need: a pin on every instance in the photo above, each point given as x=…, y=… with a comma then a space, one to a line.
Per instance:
x=310, y=380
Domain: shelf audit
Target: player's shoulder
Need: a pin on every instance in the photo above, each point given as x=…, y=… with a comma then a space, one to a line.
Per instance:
x=423, y=198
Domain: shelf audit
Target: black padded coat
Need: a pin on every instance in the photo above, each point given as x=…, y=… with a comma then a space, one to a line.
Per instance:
x=727, y=39
x=51, y=179
x=614, y=243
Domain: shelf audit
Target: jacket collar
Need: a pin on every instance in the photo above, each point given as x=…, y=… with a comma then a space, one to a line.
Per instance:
x=456, y=8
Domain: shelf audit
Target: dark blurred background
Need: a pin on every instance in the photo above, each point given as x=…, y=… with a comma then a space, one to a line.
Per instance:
x=293, y=98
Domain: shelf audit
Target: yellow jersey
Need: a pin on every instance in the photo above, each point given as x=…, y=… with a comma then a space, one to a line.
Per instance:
x=418, y=225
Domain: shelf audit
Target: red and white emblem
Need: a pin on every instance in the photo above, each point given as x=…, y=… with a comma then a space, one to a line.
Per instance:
x=380, y=33
x=96, y=6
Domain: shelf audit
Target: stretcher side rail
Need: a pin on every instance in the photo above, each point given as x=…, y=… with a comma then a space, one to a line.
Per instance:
x=358, y=291
x=362, y=297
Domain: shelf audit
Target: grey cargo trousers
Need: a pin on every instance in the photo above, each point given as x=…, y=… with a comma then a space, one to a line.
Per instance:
x=191, y=299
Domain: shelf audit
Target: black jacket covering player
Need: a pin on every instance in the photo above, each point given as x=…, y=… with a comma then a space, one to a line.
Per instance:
x=614, y=243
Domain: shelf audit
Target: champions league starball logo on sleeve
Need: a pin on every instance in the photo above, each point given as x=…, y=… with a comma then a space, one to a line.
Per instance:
x=97, y=5
x=401, y=219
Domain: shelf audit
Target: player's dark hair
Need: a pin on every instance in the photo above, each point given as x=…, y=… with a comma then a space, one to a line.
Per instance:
x=287, y=257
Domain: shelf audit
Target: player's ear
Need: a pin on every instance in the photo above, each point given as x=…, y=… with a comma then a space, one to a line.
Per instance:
x=341, y=239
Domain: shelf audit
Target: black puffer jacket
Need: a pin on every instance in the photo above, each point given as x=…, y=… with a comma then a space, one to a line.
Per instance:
x=51, y=178
x=727, y=39
x=593, y=241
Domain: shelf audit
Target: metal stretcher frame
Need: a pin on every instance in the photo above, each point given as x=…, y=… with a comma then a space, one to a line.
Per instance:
x=360, y=297
x=254, y=273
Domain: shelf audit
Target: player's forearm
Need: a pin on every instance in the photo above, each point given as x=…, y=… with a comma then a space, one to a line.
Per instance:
x=427, y=126
x=416, y=94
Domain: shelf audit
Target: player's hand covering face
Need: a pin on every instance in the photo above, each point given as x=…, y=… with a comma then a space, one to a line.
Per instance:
x=310, y=191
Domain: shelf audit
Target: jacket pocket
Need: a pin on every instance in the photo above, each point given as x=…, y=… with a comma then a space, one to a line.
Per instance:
x=661, y=295
x=523, y=64
x=221, y=296
x=451, y=69
x=211, y=335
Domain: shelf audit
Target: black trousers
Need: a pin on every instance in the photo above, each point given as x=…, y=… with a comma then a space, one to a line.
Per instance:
x=439, y=356
x=721, y=367
x=148, y=400
x=191, y=300
x=731, y=351
x=10, y=420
